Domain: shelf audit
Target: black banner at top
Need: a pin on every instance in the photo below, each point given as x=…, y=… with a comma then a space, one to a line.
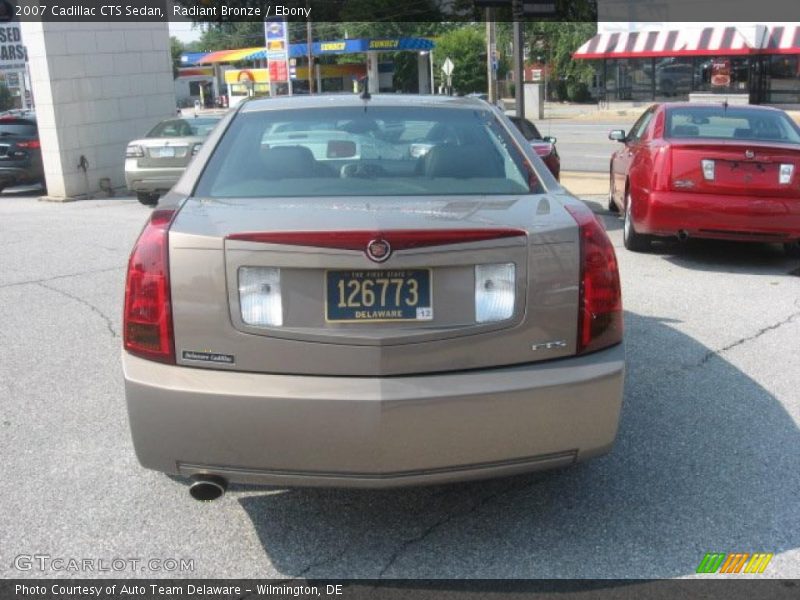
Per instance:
x=389, y=11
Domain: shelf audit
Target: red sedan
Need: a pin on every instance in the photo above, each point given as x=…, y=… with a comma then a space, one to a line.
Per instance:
x=544, y=146
x=708, y=171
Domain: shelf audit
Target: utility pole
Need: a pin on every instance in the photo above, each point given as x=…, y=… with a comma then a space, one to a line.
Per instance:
x=519, y=41
x=491, y=49
x=309, y=42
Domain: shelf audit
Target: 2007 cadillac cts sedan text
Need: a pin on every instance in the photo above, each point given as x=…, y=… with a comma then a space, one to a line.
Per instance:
x=372, y=292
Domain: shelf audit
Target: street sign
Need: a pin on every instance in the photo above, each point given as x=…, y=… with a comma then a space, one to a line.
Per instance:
x=447, y=66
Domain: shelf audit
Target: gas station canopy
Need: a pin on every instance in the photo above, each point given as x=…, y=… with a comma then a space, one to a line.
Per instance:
x=317, y=49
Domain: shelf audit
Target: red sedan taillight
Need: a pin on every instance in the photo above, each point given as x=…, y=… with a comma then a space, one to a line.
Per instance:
x=147, y=320
x=600, y=303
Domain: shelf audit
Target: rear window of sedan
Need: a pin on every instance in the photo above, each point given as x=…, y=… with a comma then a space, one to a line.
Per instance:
x=377, y=151
x=22, y=127
x=201, y=126
x=731, y=123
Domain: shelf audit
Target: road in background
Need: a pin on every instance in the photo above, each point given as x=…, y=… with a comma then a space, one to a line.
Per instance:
x=583, y=146
x=707, y=457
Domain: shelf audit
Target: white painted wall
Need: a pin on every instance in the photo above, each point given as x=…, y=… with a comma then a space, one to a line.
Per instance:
x=96, y=86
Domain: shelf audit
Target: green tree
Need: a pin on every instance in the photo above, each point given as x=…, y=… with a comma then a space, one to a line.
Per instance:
x=553, y=43
x=176, y=48
x=466, y=47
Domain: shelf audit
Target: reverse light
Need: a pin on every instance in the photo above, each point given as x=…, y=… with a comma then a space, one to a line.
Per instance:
x=147, y=317
x=260, y=296
x=495, y=286
x=785, y=173
x=708, y=169
x=600, y=300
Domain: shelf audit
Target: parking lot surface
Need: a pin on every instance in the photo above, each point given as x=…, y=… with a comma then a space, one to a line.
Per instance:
x=707, y=458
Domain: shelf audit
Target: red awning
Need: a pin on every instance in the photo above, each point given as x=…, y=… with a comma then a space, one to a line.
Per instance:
x=646, y=44
x=782, y=40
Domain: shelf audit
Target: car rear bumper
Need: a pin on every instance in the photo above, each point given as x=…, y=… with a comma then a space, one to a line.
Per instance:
x=10, y=175
x=373, y=432
x=752, y=218
x=152, y=180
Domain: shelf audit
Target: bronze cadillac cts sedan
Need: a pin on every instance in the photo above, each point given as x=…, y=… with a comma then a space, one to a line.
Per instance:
x=372, y=292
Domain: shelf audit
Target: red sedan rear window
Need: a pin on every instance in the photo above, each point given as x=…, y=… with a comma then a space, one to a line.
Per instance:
x=731, y=123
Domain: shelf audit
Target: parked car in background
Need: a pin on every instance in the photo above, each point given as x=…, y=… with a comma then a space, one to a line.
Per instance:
x=20, y=150
x=154, y=163
x=708, y=171
x=326, y=307
x=544, y=146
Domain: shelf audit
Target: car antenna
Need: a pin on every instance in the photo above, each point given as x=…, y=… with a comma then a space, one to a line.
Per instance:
x=725, y=105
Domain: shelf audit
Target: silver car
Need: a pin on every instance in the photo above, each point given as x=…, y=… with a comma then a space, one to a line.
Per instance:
x=333, y=307
x=155, y=162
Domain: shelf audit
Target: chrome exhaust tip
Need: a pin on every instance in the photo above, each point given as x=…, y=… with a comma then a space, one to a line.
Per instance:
x=206, y=488
x=683, y=235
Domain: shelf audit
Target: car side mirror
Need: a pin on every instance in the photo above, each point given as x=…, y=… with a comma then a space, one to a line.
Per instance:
x=550, y=139
x=617, y=135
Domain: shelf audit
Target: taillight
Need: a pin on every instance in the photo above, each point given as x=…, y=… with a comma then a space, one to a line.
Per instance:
x=147, y=318
x=543, y=150
x=30, y=144
x=134, y=151
x=600, y=303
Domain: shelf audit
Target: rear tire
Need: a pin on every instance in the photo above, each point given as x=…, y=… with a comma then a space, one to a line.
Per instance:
x=147, y=198
x=612, y=206
x=633, y=241
x=792, y=249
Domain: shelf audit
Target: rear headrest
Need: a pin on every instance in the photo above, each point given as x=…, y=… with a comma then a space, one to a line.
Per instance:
x=686, y=130
x=288, y=161
x=742, y=133
x=463, y=161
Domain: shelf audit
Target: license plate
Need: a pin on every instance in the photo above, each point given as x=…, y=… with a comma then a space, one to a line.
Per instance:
x=371, y=296
x=165, y=152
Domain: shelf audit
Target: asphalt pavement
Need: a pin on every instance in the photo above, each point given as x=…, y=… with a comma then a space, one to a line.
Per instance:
x=707, y=458
x=583, y=146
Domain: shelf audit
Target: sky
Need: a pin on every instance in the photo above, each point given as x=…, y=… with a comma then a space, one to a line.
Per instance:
x=183, y=31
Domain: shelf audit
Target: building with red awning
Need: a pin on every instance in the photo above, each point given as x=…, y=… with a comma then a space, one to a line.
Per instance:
x=747, y=62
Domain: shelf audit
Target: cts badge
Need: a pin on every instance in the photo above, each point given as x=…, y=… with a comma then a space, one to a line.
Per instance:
x=379, y=250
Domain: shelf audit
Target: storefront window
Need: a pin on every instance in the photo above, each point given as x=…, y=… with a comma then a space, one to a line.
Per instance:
x=630, y=79
x=673, y=78
x=783, y=83
x=721, y=74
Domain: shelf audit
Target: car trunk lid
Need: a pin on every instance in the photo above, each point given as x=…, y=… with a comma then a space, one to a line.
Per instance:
x=317, y=244
x=739, y=168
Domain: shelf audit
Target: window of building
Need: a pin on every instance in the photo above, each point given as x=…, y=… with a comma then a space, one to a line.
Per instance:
x=783, y=80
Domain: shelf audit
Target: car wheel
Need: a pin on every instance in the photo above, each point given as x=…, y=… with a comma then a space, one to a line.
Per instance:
x=633, y=241
x=612, y=206
x=147, y=198
x=792, y=249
